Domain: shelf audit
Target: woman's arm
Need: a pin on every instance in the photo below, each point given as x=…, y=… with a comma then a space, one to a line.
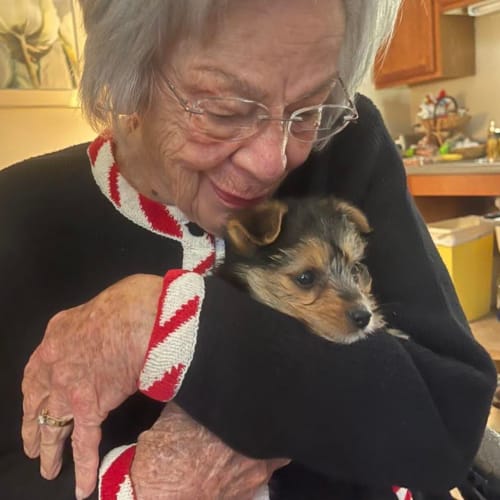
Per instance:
x=179, y=458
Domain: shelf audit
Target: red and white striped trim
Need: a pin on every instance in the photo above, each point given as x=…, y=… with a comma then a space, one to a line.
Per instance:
x=115, y=482
x=174, y=336
x=172, y=343
x=402, y=493
x=114, y=474
x=200, y=253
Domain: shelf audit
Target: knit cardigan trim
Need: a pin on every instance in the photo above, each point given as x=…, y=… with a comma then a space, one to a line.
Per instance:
x=200, y=252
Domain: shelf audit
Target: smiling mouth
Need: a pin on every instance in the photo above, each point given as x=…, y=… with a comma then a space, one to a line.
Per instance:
x=234, y=201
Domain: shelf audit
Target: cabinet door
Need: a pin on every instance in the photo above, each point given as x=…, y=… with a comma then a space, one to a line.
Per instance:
x=411, y=55
x=454, y=4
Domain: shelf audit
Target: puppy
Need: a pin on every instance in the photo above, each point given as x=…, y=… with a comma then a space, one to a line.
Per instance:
x=304, y=258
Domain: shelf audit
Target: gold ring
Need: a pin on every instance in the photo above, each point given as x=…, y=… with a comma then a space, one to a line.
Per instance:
x=45, y=419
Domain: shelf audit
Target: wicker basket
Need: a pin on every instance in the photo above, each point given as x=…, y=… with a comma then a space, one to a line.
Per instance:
x=472, y=152
x=451, y=121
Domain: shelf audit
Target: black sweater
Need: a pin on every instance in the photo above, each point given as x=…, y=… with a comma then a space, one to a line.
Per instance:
x=355, y=419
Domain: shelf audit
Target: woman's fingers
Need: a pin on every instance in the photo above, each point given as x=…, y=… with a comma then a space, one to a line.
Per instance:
x=55, y=426
x=52, y=441
x=275, y=464
x=69, y=398
x=35, y=392
x=87, y=364
x=85, y=441
x=30, y=432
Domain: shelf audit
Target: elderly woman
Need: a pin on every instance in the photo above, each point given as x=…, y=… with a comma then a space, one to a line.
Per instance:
x=207, y=107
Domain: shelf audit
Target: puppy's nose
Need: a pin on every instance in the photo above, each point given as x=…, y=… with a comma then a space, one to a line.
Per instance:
x=360, y=316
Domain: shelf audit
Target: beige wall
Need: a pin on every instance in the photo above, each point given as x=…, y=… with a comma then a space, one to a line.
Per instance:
x=32, y=131
x=394, y=104
x=478, y=93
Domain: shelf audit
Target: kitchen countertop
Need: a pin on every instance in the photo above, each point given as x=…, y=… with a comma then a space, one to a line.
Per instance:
x=455, y=168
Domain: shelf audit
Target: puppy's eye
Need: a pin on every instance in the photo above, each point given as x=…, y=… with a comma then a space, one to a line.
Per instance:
x=305, y=279
x=357, y=271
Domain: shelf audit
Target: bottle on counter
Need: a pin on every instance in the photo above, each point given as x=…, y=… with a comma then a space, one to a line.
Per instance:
x=492, y=143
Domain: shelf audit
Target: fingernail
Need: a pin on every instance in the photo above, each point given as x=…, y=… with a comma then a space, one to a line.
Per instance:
x=31, y=452
x=50, y=473
x=79, y=494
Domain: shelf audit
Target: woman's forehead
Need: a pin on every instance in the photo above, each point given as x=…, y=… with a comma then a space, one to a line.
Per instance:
x=199, y=77
x=278, y=13
x=257, y=48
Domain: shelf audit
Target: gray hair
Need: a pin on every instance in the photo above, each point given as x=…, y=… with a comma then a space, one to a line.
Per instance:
x=128, y=41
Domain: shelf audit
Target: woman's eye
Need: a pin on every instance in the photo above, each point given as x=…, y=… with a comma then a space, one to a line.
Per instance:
x=305, y=279
x=228, y=108
x=227, y=112
x=311, y=116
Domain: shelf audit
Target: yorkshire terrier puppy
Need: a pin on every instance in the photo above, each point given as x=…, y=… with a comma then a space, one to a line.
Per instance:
x=304, y=258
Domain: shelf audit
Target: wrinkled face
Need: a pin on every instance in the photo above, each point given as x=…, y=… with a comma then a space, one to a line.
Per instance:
x=281, y=53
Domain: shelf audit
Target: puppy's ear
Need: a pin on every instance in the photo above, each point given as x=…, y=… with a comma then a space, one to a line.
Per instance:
x=355, y=215
x=256, y=227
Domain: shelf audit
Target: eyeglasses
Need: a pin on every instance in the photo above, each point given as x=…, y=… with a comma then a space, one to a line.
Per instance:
x=236, y=119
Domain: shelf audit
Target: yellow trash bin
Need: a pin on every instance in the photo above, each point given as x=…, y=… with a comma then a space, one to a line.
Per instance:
x=466, y=247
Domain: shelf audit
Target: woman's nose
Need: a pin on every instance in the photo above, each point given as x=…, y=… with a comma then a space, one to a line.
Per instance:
x=264, y=155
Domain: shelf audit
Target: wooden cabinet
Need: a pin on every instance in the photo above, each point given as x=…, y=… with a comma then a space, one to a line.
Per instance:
x=454, y=4
x=443, y=191
x=427, y=45
x=455, y=184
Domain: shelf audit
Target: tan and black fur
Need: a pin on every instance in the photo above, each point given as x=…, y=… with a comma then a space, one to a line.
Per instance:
x=304, y=258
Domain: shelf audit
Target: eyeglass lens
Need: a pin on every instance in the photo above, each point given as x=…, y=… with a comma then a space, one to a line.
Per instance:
x=233, y=119
x=226, y=118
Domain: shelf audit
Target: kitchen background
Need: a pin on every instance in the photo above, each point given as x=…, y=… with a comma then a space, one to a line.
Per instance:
x=28, y=131
x=479, y=92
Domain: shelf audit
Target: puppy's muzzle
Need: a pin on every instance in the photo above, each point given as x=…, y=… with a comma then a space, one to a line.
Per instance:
x=359, y=316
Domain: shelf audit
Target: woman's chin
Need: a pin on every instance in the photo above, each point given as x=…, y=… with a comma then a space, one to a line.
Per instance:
x=214, y=225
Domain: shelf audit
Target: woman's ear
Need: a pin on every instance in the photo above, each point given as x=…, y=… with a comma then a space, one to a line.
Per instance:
x=249, y=229
x=129, y=123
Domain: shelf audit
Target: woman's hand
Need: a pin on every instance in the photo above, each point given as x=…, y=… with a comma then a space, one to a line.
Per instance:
x=180, y=459
x=88, y=363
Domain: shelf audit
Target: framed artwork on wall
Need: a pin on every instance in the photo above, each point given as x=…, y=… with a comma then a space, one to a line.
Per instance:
x=39, y=53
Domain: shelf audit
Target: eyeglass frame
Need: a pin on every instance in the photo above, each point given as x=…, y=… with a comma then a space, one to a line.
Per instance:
x=188, y=106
